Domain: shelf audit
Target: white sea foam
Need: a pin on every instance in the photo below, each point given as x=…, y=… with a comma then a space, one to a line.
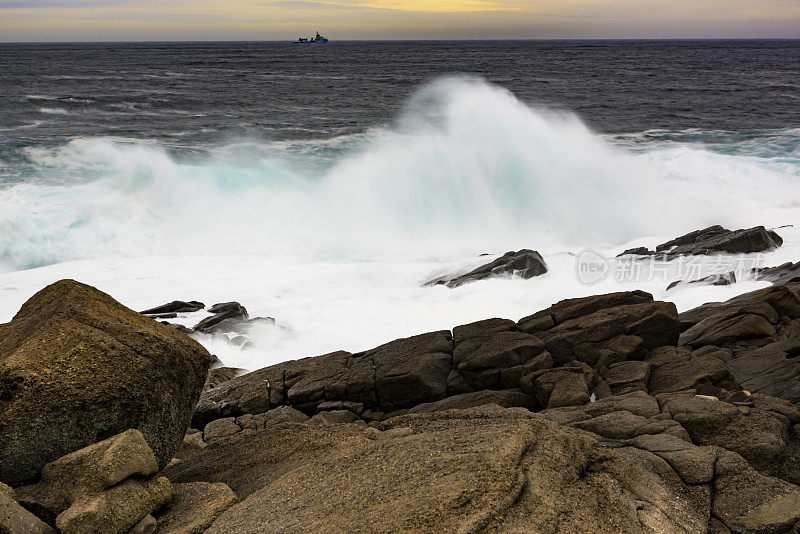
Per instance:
x=53, y=111
x=334, y=242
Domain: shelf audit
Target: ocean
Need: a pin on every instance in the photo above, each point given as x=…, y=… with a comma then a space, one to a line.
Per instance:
x=321, y=185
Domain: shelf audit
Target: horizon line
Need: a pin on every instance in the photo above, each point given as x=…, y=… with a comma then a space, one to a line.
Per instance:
x=489, y=39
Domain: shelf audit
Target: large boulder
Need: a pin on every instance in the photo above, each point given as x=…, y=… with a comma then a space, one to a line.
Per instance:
x=524, y=263
x=77, y=367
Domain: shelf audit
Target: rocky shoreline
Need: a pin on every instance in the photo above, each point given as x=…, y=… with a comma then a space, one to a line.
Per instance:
x=610, y=413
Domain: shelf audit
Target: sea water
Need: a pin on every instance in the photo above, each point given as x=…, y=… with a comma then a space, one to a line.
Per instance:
x=323, y=187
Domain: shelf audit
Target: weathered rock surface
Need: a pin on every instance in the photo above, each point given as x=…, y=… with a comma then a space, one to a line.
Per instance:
x=195, y=506
x=647, y=422
x=116, y=510
x=88, y=471
x=494, y=354
x=218, y=375
x=504, y=398
x=524, y=263
x=714, y=240
x=14, y=519
x=759, y=329
x=105, y=487
x=77, y=367
x=680, y=368
x=489, y=468
x=604, y=329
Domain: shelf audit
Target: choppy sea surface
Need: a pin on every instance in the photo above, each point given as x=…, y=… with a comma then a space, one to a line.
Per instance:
x=320, y=185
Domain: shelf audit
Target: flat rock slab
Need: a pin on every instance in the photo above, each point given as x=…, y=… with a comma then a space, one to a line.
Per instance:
x=484, y=468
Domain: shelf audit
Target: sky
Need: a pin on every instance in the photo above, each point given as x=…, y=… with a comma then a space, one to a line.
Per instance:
x=147, y=20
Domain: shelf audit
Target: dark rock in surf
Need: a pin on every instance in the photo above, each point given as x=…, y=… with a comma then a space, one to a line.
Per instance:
x=724, y=279
x=782, y=274
x=222, y=312
x=176, y=306
x=524, y=264
x=162, y=315
x=638, y=251
x=223, y=307
x=715, y=240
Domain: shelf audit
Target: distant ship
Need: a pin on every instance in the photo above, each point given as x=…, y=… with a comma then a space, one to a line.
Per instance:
x=318, y=39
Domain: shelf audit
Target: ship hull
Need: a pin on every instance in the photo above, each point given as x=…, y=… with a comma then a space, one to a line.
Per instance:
x=321, y=41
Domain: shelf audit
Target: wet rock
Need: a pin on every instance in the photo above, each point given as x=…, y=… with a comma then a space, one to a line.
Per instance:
x=224, y=307
x=637, y=251
x=176, y=306
x=724, y=279
x=62, y=386
x=222, y=312
x=407, y=371
x=523, y=264
x=716, y=239
x=195, y=507
x=178, y=327
x=163, y=315
x=782, y=274
x=749, y=320
x=772, y=370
